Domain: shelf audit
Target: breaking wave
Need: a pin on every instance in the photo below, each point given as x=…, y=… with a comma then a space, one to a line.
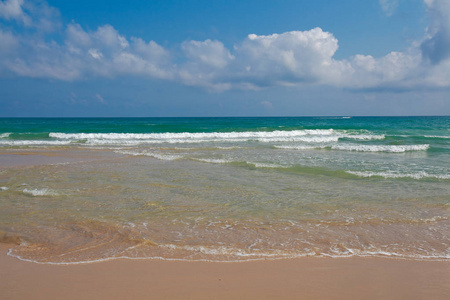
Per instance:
x=308, y=136
x=417, y=175
x=381, y=148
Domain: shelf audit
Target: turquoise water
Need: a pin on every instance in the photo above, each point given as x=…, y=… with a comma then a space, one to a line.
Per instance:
x=226, y=189
x=402, y=147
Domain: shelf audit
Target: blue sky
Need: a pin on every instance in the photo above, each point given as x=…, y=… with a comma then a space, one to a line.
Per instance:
x=224, y=58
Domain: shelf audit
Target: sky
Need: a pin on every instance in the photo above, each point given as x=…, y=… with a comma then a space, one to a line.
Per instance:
x=173, y=58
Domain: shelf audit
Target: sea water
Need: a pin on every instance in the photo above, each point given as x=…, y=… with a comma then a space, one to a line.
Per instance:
x=228, y=189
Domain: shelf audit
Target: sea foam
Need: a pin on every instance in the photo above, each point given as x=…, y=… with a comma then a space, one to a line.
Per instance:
x=190, y=135
x=151, y=154
x=387, y=174
x=381, y=148
x=130, y=139
x=40, y=192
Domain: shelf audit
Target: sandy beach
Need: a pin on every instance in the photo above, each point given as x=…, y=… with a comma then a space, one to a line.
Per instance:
x=306, y=278
x=300, y=278
x=224, y=150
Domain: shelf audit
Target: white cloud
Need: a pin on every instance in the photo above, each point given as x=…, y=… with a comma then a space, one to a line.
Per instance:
x=110, y=37
x=286, y=59
x=95, y=53
x=103, y=52
x=12, y=9
x=436, y=46
x=206, y=64
x=32, y=14
x=77, y=37
x=8, y=42
x=296, y=54
x=207, y=53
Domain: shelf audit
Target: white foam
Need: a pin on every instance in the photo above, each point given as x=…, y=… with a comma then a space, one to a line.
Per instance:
x=226, y=251
x=151, y=154
x=4, y=135
x=309, y=139
x=389, y=174
x=248, y=255
x=213, y=160
x=187, y=137
x=437, y=136
x=307, y=136
x=114, y=142
x=226, y=148
x=381, y=148
x=190, y=135
x=299, y=147
x=364, y=137
x=267, y=165
x=164, y=156
x=41, y=192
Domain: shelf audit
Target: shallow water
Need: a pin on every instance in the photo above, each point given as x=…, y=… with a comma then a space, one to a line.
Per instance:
x=232, y=193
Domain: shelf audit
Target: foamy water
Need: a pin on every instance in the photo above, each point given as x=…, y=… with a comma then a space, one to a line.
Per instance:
x=40, y=192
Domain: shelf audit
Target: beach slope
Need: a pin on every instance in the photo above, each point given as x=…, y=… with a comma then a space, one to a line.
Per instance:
x=305, y=278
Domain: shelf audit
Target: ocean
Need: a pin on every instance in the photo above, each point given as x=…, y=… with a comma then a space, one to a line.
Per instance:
x=226, y=189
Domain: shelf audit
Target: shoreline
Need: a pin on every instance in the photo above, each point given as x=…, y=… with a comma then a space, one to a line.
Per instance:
x=300, y=278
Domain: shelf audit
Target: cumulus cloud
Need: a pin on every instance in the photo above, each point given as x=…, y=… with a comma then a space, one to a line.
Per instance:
x=289, y=58
x=206, y=64
x=9, y=42
x=296, y=57
x=32, y=14
x=102, y=52
x=436, y=46
x=12, y=9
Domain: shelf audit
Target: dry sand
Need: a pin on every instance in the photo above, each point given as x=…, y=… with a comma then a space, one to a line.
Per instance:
x=304, y=278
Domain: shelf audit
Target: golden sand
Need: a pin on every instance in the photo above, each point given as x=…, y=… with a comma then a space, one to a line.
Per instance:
x=305, y=278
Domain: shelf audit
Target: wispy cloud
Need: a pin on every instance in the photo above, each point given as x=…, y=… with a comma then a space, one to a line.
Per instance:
x=291, y=58
x=389, y=6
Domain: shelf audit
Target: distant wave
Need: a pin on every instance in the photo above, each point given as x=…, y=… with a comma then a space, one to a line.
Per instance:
x=416, y=175
x=4, y=135
x=308, y=147
x=364, y=137
x=305, y=136
x=381, y=148
x=360, y=148
x=437, y=136
x=214, y=160
x=191, y=135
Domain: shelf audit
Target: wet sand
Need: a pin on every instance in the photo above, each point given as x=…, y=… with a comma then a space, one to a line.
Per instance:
x=304, y=278
x=33, y=157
